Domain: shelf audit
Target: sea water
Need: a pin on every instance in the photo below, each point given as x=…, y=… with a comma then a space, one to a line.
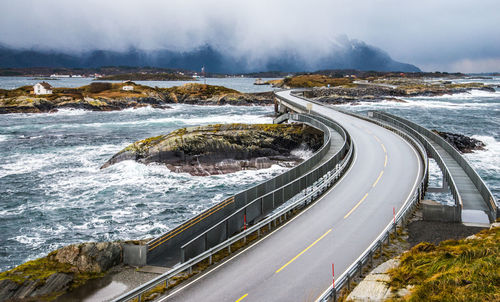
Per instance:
x=52, y=192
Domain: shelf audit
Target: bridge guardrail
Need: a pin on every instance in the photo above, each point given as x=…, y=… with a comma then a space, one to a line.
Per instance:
x=172, y=241
x=485, y=192
x=266, y=203
x=400, y=218
x=323, y=183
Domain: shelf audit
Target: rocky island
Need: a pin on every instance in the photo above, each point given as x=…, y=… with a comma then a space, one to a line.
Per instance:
x=223, y=148
x=105, y=96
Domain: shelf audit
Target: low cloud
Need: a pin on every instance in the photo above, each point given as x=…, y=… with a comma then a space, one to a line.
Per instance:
x=433, y=34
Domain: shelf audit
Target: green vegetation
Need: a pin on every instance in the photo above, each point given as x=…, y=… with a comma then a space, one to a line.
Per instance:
x=312, y=80
x=41, y=269
x=454, y=270
x=201, y=91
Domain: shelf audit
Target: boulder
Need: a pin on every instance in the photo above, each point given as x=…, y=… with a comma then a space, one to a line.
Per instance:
x=90, y=257
x=461, y=142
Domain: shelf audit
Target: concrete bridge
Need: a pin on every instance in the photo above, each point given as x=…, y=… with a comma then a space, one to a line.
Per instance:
x=358, y=188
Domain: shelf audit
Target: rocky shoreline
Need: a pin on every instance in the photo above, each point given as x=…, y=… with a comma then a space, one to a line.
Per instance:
x=374, y=93
x=103, y=96
x=223, y=148
x=462, y=143
x=60, y=271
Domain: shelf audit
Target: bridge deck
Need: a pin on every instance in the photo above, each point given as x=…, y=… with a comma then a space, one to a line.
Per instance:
x=471, y=198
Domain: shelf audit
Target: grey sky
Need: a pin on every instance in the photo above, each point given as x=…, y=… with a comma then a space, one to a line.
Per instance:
x=434, y=35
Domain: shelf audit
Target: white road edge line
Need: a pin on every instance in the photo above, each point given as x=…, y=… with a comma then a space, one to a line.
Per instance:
x=407, y=199
x=273, y=232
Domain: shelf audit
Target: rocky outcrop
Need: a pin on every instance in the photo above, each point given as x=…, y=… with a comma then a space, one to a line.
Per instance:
x=90, y=257
x=389, y=90
x=68, y=267
x=223, y=148
x=110, y=97
x=461, y=142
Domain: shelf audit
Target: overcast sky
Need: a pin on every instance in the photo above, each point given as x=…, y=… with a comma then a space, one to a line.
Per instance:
x=446, y=35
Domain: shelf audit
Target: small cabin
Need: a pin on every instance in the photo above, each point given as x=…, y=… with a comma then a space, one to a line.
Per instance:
x=42, y=88
x=128, y=88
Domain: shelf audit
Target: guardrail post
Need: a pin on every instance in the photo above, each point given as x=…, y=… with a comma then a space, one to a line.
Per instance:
x=166, y=283
x=349, y=281
x=210, y=259
x=139, y=298
x=206, y=241
x=183, y=256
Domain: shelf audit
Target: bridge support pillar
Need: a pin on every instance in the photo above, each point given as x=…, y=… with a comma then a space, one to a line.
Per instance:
x=135, y=255
x=443, y=189
x=435, y=211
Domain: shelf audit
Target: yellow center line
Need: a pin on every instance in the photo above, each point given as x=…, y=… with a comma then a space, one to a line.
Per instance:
x=383, y=147
x=378, y=178
x=378, y=140
x=243, y=297
x=357, y=205
x=385, y=162
x=295, y=258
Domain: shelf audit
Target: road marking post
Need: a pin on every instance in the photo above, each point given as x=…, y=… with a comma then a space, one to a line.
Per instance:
x=394, y=214
x=333, y=275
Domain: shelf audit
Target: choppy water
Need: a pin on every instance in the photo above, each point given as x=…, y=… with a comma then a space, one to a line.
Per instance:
x=476, y=114
x=52, y=192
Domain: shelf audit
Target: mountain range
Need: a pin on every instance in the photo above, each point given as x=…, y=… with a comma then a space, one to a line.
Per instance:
x=356, y=55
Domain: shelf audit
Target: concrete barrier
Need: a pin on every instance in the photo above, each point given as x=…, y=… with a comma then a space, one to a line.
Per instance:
x=435, y=211
x=135, y=255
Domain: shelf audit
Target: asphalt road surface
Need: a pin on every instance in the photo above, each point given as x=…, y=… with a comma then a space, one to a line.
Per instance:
x=295, y=262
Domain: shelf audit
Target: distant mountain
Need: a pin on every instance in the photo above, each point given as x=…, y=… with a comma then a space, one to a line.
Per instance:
x=352, y=54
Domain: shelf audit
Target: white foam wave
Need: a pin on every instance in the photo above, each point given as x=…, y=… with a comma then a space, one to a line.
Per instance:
x=487, y=160
x=303, y=152
x=472, y=94
x=4, y=138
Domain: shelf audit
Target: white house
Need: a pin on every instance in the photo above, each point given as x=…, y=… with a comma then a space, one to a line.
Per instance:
x=42, y=88
x=128, y=88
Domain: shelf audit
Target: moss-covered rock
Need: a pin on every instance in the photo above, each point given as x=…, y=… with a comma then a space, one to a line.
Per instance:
x=222, y=148
x=61, y=270
x=110, y=96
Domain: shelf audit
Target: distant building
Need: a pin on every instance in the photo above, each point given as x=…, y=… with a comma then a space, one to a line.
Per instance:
x=128, y=88
x=42, y=88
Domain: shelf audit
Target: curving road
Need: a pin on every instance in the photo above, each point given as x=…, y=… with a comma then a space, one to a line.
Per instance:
x=295, y=262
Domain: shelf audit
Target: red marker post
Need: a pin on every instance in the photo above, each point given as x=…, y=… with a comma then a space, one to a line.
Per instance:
x=245, y=221
x=394, y=214
x=333, y=275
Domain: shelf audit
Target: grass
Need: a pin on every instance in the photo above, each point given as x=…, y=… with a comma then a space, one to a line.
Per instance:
x=314, y=80
x=454, y=270
x=39, y=270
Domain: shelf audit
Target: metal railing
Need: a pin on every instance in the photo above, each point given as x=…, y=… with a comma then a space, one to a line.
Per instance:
x=310, y=194
x=268, y=202
x=478, y=182
x=171, y=241
x=401, y=218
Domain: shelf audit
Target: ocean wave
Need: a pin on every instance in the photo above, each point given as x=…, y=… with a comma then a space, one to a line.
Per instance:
x=488, y=160
x=4, y=138
x=429, y=103
x=472, y=94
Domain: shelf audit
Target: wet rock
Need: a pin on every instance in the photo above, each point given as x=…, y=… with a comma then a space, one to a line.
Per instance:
x=90, y=257
x=461, y=142
x=220, y=149
x=57, y=282
x=7, y=289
